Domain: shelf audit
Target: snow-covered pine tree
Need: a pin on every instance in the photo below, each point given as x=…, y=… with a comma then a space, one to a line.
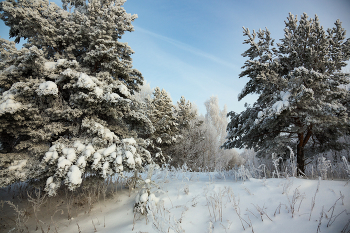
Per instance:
x=185, y=113
x=67, y=104
x=300, y=87
x=161, y=113
x=187, y=149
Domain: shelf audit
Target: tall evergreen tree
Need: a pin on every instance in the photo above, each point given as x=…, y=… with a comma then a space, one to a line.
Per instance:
x=187, y=149
x=67, y=96
x=299, y=83
x=185, y=113
x=161, y=113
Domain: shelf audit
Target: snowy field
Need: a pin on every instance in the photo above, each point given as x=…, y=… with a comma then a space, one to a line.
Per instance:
x=217, y=202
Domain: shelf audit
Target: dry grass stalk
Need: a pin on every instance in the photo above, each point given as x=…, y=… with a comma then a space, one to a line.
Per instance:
x=313, y=200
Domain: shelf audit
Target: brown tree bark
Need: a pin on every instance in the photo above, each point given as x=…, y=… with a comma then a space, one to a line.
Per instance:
x=300, y=155
x=300, y=150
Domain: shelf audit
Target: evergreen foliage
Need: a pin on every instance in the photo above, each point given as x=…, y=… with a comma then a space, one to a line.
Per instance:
x=161, y=112
x=200, y=138
x=301, y=91
x=187, y=149
x=185, y=113
x=67, y=103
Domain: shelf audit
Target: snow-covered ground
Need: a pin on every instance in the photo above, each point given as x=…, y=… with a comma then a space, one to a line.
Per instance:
x=216, y=202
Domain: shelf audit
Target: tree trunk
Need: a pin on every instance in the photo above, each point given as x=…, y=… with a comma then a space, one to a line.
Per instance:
x=300, y=148
x=300, y=151
x=300, y=157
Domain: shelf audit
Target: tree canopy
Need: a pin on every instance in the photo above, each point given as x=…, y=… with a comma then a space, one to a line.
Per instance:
x=300, y=84
x=67, y=101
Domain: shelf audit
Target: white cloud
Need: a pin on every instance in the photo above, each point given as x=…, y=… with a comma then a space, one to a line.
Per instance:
x=187, y=48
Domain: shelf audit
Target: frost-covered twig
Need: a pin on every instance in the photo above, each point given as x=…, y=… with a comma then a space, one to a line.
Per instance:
x=21, y=217
x=215, y=202
x=347, y=166
x=262, y=212
x=292, y=161
x=242, y=173
x=162, y=219
x=37, y=201
x=279, y=209
x=314, y=197
x=237, y=208
x=320, y=221
x=330, y=222
x=296, y=195
x=323, y=165
x=345, y=227
x=275, y=162
x=287, y=185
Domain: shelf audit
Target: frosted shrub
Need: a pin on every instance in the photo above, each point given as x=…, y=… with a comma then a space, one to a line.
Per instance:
x=144, y=202
x=145, y=199
x=347, y=166
x=68, y=164
x=242, y=173
x=275, y=161
x=292, y=162
x=323, y=166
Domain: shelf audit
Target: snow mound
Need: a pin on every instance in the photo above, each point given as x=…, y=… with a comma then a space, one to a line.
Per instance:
x=111, y=97
x=109, y=150
x=279, y=106
x=130, y=159
x=18, y=165
x=8, y=103
x=47, y=88
x=123, y=90
x=130, y=141
x=52, y=65
x=98, y=91
x=63, y=163
x=74, y=175
x=9, y=106
x=85, y=81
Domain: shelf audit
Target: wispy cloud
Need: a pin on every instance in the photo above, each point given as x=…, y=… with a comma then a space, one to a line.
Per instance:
x=187, y=48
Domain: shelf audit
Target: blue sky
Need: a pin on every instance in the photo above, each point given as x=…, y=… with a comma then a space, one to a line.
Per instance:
x=193, y=48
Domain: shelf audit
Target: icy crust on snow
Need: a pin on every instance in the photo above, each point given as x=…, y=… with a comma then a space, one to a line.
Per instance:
x=70, y=162
x=8, y=103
